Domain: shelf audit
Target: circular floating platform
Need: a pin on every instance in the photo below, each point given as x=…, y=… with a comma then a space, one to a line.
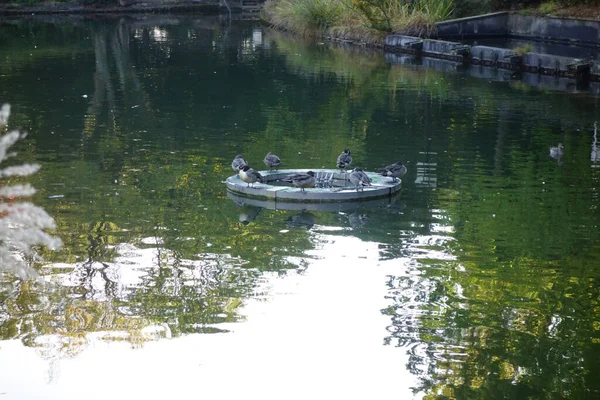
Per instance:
x=332, y=186
x=313, y=206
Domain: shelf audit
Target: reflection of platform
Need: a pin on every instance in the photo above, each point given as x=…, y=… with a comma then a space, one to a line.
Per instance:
x=342, y=190
x=278, y=204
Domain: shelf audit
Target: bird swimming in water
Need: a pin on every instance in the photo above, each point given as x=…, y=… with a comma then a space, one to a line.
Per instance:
x=395, y=170
x=249, y=175
x=302, y=180
x=359, y=179
x=238, y=163
x=344, y=160
x=557, y=152
x=271, y=160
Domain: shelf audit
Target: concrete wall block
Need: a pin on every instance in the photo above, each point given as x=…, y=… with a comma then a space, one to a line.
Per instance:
x=401, y=41
x=492, y=54
x=548, y=62
x=495, y=24
x=558, y=29
x=443, y=48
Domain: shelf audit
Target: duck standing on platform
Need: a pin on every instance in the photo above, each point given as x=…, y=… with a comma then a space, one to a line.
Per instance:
x=238, y=163
x=395, y=170
x=344, y=160
x=557, y=152
x=302, y=180
x=249, y=175
x=272, y=161
x=359, y=179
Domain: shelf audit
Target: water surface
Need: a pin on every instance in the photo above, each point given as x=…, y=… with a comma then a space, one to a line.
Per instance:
x=480, y=280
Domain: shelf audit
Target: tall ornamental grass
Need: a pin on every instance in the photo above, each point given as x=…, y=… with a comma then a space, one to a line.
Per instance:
x=305, y=16
x=362, y=17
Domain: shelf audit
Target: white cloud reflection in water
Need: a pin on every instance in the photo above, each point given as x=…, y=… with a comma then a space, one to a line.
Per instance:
x=315, y=334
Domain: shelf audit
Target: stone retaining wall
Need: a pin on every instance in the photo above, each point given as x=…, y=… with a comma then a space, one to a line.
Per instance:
x=506, y=24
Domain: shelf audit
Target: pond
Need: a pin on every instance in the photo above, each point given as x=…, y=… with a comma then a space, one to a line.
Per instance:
x=480, y=280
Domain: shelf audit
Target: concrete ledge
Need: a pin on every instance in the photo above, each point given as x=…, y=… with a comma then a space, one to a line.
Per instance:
x=494, y=24
x=505, y=24
x=407, y=43
x=495, y=56
x=437, y=48
x=554, y=65
x=345, y=192
x=562, y=30
x=448, y=50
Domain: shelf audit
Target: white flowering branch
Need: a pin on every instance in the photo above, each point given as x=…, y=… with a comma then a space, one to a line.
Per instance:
x=22, y=224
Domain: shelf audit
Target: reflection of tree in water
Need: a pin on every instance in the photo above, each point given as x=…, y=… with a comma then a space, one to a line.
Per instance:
x=111, y=42
x=144, y=286
x=478, y=334
x=163, y=285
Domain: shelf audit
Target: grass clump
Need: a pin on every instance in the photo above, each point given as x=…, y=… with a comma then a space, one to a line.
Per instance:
x=420, y=17
x=366, y=18
x=304, y=16
x=526, y=48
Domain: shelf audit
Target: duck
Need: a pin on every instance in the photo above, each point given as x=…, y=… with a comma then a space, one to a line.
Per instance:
x=395, y=170
x=302, y=180
x=557, y=152
x=238, y=162
x=344, y=160
x=359, y=179
x=271, y=160
x=249, y=175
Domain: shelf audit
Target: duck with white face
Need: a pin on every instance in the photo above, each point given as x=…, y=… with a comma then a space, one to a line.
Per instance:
x=302, y=180
x=238, y=162
x=249, y=175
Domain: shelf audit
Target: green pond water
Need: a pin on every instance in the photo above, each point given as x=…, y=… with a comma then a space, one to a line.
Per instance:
x=480, y=280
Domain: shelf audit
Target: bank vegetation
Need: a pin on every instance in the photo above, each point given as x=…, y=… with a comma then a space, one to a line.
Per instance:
x=371, y=20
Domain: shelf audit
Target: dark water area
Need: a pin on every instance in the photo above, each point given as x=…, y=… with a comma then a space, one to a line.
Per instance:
x=481, y=280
